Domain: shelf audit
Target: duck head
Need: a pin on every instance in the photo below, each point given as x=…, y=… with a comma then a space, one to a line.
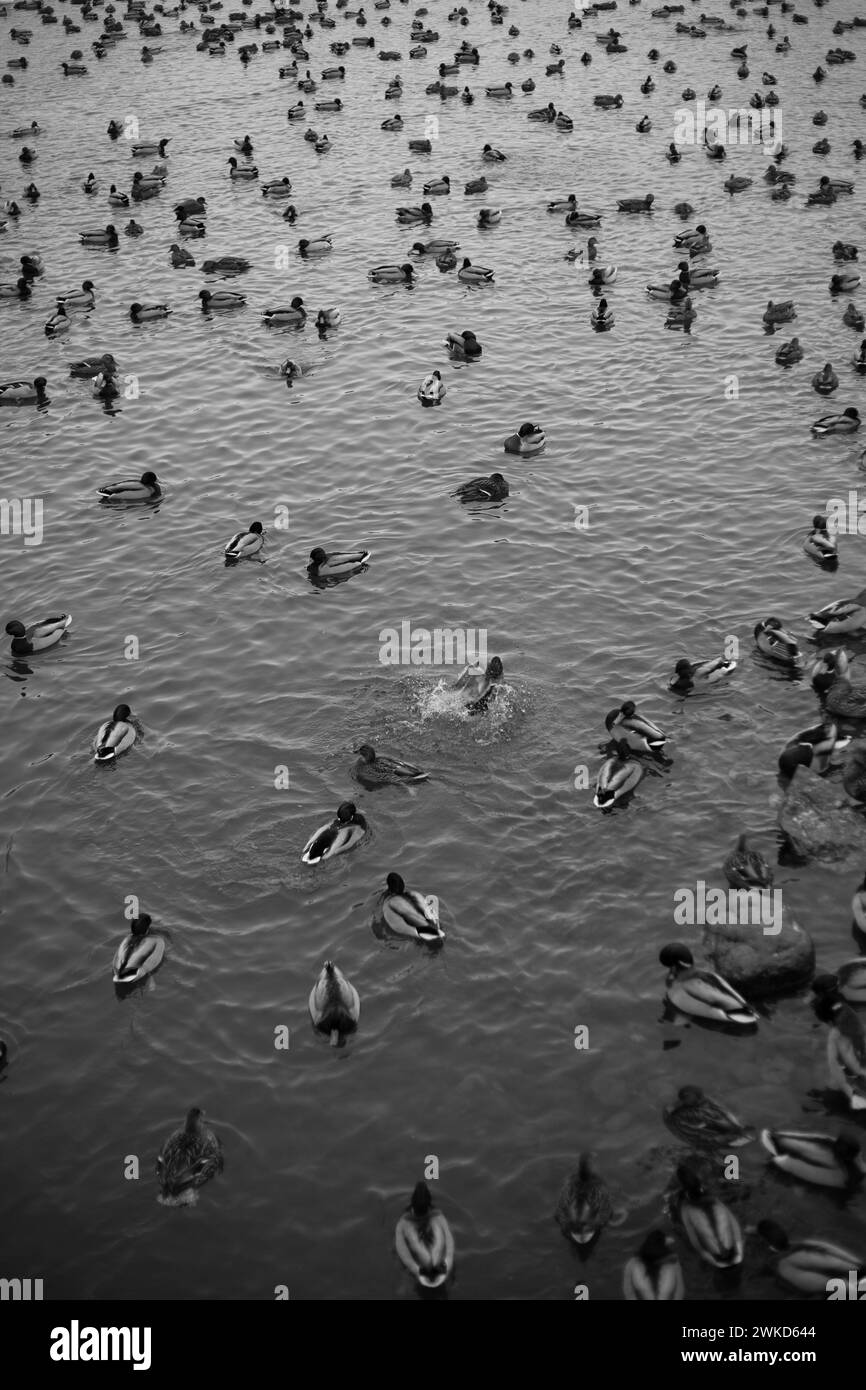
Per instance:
x=139, y=925
x=676, y=956
x=395, y=885
x=121, y=713
x=367, y=752
x=346, y=812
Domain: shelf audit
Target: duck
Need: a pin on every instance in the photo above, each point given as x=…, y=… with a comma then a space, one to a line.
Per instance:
x=336, y=564
x=432, y=389
x=641, y=735
x=277, y=188
x=816, y=1158
x=242, y=171
x=392, y=274
x=320, y=246
x=108, y=237
x=815, y=748
x=463, y=347
x=560, y=205
x=681, y=314
x=191, y=227
x=841, y=616
x=296, y=112
x=491, y=155
x=644, y=125
x=618, y=775
x=854, y=773
x=329, y=104
x=58, y=323
x=408, y=912
x=335, y=1005
x=328, y=318
x=588, y=221
x=747, y=868
x=190, y=1157
x=139, y=954
x=226, y=265
x=820, y=545
x=90, y=184
x=474, y=274
x=492, y=489
x=393, y=123
x=144, y=489
x=489, y=217
x=529, y=439
x=222, y=299
x=859, y=362
x=602, y=275
x=141, y=313
x=852, y=318
x=501, y=93
x=710, y=1227
x=846, y=1051
x=344, y=832
x=381, y=770
x=244, y=544
x=563, y=122
x=437, y=246
x=421, y=146
x=38, y=637
x=584, y=1206
x=24, y=392
x=672, y=154
x=781, y=312
x=789, y=353
x=689, y=240
x=684, y=210
x=20, y=290
x=145, y=147
x=703, y=1123
x=424, y=1241
x=846, y=423
x=437, y=187
x=702, y=278
x=808, y=1265
x=114, y=736
x=607, y=101
x=190, y=207
x=773, y=641
x=826, y=381
x=688, y=674
x=545, y=114
x=844, y=283
x=403, y=180
x=654, y=1274
x=116, y=199
x=702, y=993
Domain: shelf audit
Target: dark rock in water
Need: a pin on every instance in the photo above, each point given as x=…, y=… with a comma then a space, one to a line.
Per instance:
x=756, y=963
x=820, y=821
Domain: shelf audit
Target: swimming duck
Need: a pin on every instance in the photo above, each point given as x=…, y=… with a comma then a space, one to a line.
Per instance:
x=406, y=216
x=689, y=240
x=78, y=299
x=844, y=615
x=421, y=146
x=846, y=423
x=140, y=313
x=703, y=1123
x=844, y=283
x=617, y=777
x=318, y=247
x=563, y=122
x=145, y=147
x=747, y=868
x=852, y=318
x=38, y=637
x=328, y=318
x=108, y=237
x=244, y=544
x=114, y=736
x=343, y=833
x=189, y=1157
x=380, y=770
x=435, y=247
x=330, y=104
x=826, y=381
x=393, y=123
x=641, y=735
x=336, y=564
x=335, y=1006
x=90, y=185
x=789, y=353
x=437, y=187
x=816, y=1158
x=224, y=299
x=773, y=641
x=464, y=347
x=392, y=274
x=242, y=171
x=403, y=180
x=474, y=274
x=560, y=205
x=846, y=1053
x=432, y=389
x=584, y=1206
x=144, y=489
x=601, y=318
x=644, y=125
x=20, y=290
x=859, y=362
x=702, y=993
x=491, y=155
x=683, y=210
x=24, y=392
x=277, y=188
x=528, y=85
x=139, y=954
x=190, y=207
x=688, y=674
x=528, y=440
x=709, y=1226
x=654, y=1274
x=586, y=220
x=117, y=199
x=226, y=265
x=672, y=154
x=489, y=217
x=492, y=489
x=607, y=101
x=808, y=1265
x=503, y=92
x=296, y=112
x=407, y=912
x=602, y=275
x=58, y=323
x=191, y=227
x=680, y=315
x=820, y=545
x=424, y=1241
x=545, y=114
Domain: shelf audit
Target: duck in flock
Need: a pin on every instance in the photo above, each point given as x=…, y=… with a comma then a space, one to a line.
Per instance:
x=424, y=1241
x=344, y=832
x=335, y=1005
x=139, y=953
x=190, y=1157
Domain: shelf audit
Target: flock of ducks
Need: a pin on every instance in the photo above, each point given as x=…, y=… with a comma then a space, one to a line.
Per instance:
x=192, y=1155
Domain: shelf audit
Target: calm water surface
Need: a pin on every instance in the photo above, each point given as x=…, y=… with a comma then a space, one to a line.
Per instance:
x=554, y=913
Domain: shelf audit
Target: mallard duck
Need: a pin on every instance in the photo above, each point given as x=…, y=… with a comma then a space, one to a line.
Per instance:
x=602, y=275
x=844, y=251
x=403, y=180
x=343, y=833
x=501, y=93
x=58, y=323
x=789, y=353
x=808, y=1265
x=587, y=221
x=584, y=1207
x=336, y=564
x=747, y=868
x=293, y=316
x=681, y=315
x=641, y=735
x=773, y=641
x=190, y=207
x=636, y=204
x=709, y=1226
x=296, y=112
x=704, y=1123
x=74, y=69
x=392, y=274
x=489, y=217
x=672, y=154
x=560, y=205
x=24, y=392
x=146, y=147
x=563, y=122
x=702, y=993
x=844, y=283
x=826, y=381
x=859, y=362
x=529, y=439
x=492, y=489
x=335, y=1006
x=688, y=674
x=189, y=1157
x=854, y=771
x=464, y=346
x=329, y=104
x=435, y=247
x=654, y=1274
x=607, y=101
x=781, y=312
x=846, y=423
x=277, y=188
x=816, y=1158
x=432, y=389
x=846, y=1052
x=328, y=318
x=683, y=210
x=141, y=313
x=852, y=318
x=421, y=146
x=601, y=318
x=226, y=265
x=408, y=912
x=191, y=227
x=393, y=123
x=143, y=489
x=842, y=616
x=493, y=156
x=139, y=954
x=20, y=290
x=242, y=171
x=244, y=544
x=114, y=736
x=815, y=748
x=424, y=1241
x=702, y=278
x=320, y=246
x=618, y=775
x=474, y=274
x=116, y=199
x=378, y=771
x=437, y=187
x=38, y=637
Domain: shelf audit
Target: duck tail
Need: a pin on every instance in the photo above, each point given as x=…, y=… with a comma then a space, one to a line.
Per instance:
x=104, y=755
